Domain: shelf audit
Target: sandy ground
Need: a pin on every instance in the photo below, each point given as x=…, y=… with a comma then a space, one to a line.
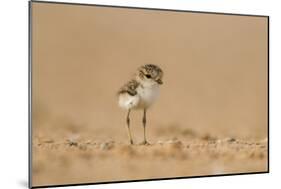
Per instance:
x=211, y=115
x=87, y=161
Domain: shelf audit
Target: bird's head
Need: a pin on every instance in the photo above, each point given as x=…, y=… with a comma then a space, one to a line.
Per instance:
x=149, y=75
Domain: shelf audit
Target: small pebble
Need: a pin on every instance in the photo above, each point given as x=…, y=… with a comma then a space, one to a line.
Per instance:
x=230, y=140
x=106, y=146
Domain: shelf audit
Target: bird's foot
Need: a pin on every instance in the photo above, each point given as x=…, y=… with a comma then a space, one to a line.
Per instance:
x=144, y=143
x=131, y=142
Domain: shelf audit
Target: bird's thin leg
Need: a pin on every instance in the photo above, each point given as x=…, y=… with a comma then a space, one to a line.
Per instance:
x=144, y=126
x=128, y=126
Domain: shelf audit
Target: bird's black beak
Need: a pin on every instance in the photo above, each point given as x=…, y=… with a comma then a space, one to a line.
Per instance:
x=159, y=81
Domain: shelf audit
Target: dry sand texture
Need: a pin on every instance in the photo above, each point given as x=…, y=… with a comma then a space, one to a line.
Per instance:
x=211, y=117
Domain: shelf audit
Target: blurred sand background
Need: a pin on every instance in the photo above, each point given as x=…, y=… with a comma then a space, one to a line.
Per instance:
x=211, y=117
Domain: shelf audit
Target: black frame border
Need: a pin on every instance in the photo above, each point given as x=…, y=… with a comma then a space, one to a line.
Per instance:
x=137, y=8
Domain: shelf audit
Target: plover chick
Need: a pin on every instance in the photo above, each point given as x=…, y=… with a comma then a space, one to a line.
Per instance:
x=140, y=93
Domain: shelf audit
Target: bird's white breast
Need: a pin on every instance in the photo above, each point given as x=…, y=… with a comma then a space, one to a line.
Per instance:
x=147, y=95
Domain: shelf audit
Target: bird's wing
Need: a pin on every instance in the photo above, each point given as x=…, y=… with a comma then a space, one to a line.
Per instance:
x=129, y=88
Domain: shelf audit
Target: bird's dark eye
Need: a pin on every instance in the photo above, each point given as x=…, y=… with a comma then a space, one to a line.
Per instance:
x=148, y=76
